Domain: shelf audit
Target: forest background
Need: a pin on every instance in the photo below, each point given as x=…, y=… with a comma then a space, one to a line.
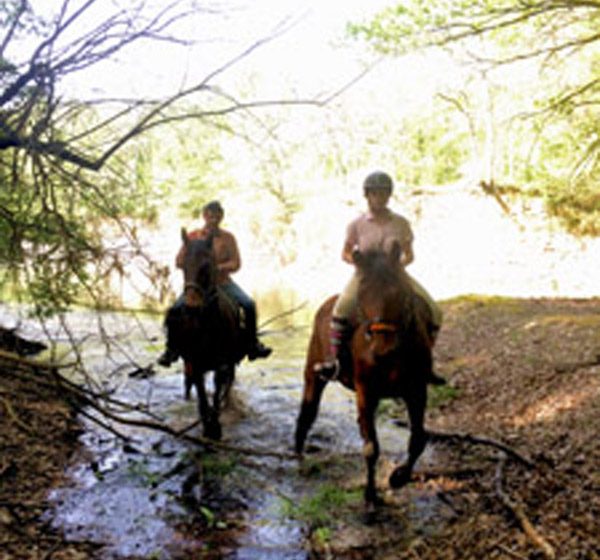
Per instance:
x=120, y=119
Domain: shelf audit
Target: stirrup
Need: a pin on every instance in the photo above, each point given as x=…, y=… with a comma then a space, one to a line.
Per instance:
x=328, y=370
x=259, y=350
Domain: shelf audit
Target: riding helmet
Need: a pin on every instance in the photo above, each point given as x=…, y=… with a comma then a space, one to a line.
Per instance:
x=378, y=180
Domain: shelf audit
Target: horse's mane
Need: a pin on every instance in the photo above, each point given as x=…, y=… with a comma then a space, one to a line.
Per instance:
x=380, y=269
x=383, y=279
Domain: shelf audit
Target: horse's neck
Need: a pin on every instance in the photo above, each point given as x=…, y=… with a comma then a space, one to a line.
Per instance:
x=396, y=295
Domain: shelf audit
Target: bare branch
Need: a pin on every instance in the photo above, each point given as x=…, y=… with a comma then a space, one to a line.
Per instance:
x=13, y=26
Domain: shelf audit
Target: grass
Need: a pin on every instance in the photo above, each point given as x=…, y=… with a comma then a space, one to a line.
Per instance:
x=217, y=466
x=441, y=395
x=321, y=509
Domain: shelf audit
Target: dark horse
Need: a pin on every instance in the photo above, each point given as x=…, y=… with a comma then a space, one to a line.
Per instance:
x=390, y=357
x=206, y=331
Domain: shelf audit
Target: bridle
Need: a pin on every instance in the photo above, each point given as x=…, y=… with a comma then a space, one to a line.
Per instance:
x=378, y=326
x=203, y=292
x=205, y=295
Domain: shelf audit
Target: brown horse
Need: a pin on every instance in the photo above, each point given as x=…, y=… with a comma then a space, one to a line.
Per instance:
x=206, y=331
x=390, y=357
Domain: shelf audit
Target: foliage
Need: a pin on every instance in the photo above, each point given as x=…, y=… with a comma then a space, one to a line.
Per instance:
x=579, y=207
x=527, y=131
x=183, y=166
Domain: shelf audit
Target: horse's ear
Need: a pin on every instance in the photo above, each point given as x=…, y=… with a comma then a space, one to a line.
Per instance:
x=395, y=253
x=184, y=236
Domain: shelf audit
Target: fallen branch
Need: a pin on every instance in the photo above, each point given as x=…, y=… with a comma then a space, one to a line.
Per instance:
x=510, y=552
x=16, y=359
x=469, y=438
x=518, y=512
x=570, y=367
x=80, y=397
x=47, y=375
x=280, y=316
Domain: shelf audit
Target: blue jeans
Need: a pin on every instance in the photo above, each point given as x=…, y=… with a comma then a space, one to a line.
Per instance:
x=247, y=304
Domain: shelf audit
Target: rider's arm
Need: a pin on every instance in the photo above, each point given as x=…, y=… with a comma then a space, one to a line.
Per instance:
x=347, y=252
x=350, y=244
x=406, y=242
x=408, y=255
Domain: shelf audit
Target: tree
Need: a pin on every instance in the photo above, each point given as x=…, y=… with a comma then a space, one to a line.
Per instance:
x=557, y=44
x=72, y=168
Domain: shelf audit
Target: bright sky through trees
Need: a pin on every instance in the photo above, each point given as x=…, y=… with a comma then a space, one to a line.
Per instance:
x=304, y=54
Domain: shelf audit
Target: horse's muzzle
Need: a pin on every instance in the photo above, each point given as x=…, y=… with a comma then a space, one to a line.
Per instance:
x=192, y=296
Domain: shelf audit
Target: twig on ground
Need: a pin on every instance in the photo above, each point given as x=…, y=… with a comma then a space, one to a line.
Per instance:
x=13, y=416
x=570, y=367
x=103, y=424
x=518, y=512
x=510, y=552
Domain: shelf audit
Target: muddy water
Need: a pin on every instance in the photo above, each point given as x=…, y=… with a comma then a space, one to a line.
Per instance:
x=158, y=497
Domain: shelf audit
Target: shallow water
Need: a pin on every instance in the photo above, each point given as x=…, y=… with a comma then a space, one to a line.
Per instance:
x=159, y=497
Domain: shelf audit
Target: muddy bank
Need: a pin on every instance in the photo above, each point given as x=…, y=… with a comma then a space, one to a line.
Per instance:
x=40, y=433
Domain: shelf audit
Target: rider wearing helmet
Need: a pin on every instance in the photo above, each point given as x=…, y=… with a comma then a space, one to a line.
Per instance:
x=378, y=228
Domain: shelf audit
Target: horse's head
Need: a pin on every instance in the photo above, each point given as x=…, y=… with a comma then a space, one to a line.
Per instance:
x=384, y=298
x=199, y=270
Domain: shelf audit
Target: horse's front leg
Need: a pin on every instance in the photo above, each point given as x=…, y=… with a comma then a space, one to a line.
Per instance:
x=224, y=376
x=188, y=381
x=210, y=421
x=416, y=401
x=309, y=408
x=367, y=405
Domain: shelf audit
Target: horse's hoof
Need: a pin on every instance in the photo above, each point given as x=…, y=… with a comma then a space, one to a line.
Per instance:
x=372, y=499
x=369, y=515
x=214, y=432
x=400, y=477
